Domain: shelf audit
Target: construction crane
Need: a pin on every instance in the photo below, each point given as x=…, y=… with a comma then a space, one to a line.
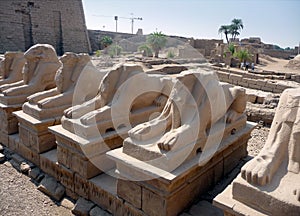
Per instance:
x=117, y=18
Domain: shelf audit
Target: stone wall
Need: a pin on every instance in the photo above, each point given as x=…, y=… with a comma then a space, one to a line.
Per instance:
x=95, y=37
x=56, y=22
x=285, y=54
x=254, y=81
x=205, y=46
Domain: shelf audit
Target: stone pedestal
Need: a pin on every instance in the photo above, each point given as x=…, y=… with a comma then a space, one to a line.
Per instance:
x=8, y=122
x=276, y=198
x=159, y=192
x=85, y=157
x=34, y=133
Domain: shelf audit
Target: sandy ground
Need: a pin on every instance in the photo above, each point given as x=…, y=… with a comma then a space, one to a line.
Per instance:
x=19, y=196
x=275, y=64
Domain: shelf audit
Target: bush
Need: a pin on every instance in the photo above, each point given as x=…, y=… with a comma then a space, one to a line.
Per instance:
x=106, y=41
x=98, y=53
x=114, y=50
x=170, y=54
x=147, y=51
x=243, y=55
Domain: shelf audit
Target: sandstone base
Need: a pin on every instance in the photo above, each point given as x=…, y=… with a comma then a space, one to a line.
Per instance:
x=85, y=157
x=8, y=122
x=276, y=198
x=154, y=191
x=34, y=133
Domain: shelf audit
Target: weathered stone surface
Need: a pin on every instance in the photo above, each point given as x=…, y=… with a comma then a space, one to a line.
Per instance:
x=88, y=120
x=82, y=207
x=81, y=186
x=67, y=203
x=77, y=71
x=52, y=188
x=172, y=192
x=65, y=16
x=204, y=109
x=103, y=191
x=96, y=211
x=204, y=208
x=28, y=154
x=269, y=183
x=2, y=158
x=11, y=67
x=131, y=192
x=25, y=167
x=39, y=72
x=17, y=158
x=34, y=173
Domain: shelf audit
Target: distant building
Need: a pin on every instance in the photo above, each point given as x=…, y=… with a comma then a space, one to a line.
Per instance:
x=60, y=23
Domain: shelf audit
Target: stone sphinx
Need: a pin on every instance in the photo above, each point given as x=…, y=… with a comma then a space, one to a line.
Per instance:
x=199, y=113
x=11, y=67
x=283, y=143
x=38, y=75
x=111, y=110
x=52, y=103
x=198, y=138
x=269, y=184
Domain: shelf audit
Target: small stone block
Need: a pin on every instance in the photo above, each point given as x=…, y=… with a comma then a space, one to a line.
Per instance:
x=82, y=207
x=51, y=187
x=96, y=211
x=34, y=173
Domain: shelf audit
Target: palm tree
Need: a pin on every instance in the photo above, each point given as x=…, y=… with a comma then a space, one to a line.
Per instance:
x=157, y=41
x=226, y=30
x=243, y=55
x=235, y=27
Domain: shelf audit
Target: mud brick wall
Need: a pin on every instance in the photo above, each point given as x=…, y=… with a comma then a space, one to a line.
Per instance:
x=205, y=46
x=251, y=80
x=60, y=23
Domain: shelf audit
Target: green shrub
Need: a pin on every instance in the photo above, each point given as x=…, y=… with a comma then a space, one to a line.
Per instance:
x=147, y=51
x=114, y=50
x=170, y=54
x=106, y=41
x=98, y=53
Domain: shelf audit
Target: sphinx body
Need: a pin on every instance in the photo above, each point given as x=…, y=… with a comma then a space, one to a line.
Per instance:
x=199, y=107
x=53, y=102
x=283, y=143
x=197, y=102
x=38, y=75
x=11, y=67
x=126, y=96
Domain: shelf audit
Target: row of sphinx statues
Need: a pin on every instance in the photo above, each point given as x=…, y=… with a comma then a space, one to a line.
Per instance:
x=163, y=112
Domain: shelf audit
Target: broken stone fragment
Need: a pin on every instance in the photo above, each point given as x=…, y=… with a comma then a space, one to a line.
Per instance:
x=52, y=188
x=82, y=207
x=24, y=167
x=34, y=173
x=98, y=211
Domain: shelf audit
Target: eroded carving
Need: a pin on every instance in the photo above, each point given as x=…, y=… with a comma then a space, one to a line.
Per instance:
x=11, y=67
x=282, y=143
x=53, y=102
x=38, y=74
x=197, y=103
x=126, y=89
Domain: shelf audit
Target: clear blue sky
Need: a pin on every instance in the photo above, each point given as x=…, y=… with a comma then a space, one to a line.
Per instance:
x=274, y=21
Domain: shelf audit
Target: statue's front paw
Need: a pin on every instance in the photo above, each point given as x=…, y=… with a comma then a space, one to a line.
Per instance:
x=257, y=171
